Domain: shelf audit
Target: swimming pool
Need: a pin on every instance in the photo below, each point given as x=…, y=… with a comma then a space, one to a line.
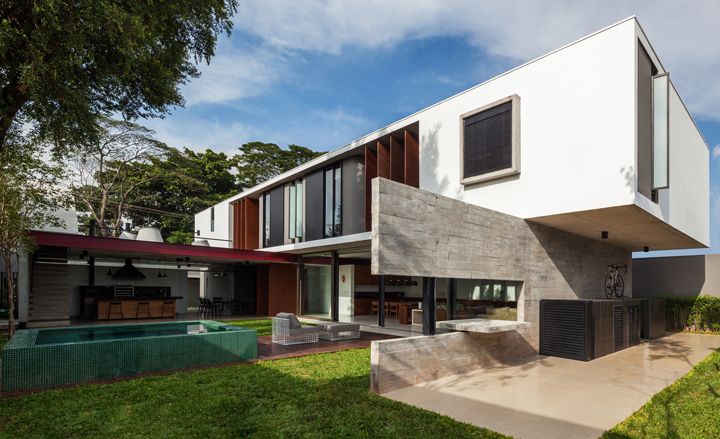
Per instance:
x=38, y=358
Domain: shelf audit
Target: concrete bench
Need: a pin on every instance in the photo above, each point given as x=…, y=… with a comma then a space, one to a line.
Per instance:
x=339, y=331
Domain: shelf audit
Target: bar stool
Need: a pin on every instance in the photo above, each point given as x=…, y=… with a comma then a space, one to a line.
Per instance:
x=114, y=305
x=168, y=307
x=145, y=308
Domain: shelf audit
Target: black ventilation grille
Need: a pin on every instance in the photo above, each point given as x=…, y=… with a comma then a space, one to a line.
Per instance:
x=487, y=141
x=633, y=324
x=565, y=329
x=618, y=323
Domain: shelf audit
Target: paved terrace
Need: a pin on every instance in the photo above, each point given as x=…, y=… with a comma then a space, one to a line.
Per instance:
x=544, y=397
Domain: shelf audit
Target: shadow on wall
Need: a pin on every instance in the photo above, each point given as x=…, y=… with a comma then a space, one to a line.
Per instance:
x=430, y=156
x=682, y=276
x=629, y=175
x=582, y=262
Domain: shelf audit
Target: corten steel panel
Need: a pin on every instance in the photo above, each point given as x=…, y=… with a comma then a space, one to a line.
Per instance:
x=277, y=216
x=262, y=290
x=251, y=224
x=282, y=289
x=412, y=160
x=397, y=160
x=566, y=329
x=314, y=221
x=370, y=173
x=237, y=209
x=383, y=160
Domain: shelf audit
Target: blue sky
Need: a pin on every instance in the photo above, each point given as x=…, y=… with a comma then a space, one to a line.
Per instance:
x=320, y=73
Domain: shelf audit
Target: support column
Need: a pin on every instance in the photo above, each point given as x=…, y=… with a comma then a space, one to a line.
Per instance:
x=429, y=306
x=381, y=301
x=91, y=271
x=23, y=287
x=334, y=287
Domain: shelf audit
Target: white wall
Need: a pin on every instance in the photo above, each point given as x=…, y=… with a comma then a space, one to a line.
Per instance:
x=686, y=204
x=222, y=235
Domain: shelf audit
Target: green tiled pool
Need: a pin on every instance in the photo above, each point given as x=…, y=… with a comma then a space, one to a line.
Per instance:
x=38, y=358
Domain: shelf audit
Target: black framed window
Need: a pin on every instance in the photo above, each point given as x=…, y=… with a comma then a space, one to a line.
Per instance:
x=266, y=219
x=212, y=219
x=332, y=201
x=490, y=141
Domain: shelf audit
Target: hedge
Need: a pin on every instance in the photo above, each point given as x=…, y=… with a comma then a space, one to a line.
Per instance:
x=693, y=314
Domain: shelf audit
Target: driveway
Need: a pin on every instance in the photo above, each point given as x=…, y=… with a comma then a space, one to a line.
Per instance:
x=545, y=397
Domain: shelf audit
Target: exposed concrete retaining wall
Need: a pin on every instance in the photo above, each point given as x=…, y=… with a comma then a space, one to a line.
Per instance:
x=419, y=233
x=404, y=362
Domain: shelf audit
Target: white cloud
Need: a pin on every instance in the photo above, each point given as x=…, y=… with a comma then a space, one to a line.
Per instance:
x=235, y=73
x=716, y=151
x=683, y=33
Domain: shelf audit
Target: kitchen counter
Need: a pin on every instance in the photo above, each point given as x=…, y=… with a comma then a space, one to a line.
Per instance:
x=137, y=308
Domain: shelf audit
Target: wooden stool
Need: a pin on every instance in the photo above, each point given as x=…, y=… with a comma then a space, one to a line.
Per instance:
x=112, y=306
x=393, y=309
x=168, y=306
x=146, y=309
x=374, y=308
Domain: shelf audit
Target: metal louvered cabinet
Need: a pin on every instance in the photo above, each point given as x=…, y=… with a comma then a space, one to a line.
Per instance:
x=588, y=329
x=566, y=329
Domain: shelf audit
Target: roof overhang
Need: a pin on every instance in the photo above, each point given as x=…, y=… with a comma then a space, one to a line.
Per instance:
x=629, y=227
x=158, y=251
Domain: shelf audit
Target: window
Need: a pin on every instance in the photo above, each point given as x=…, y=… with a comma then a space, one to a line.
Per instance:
x=332, y=206
x=295, y=205
x=212, y=219
x=490, y=141
x=482, y=298
x=660, y=156
x=266, y=219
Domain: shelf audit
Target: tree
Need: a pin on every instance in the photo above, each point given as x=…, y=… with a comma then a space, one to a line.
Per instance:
x=177, y=185
x=258, y=161
x=64, y=64
x=28, y=197
x=100, y=176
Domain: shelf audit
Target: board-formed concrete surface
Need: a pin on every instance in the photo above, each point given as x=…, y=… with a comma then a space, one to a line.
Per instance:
x=543, y=397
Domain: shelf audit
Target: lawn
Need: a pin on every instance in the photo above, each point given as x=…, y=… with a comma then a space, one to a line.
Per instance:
x=262, y=326
x=324, y=395
x=689, y=408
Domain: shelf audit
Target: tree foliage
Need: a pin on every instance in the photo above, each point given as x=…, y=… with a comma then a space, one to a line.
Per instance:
x=29, y=198
x=64, y=63
x=101, y=172
x=257, y=161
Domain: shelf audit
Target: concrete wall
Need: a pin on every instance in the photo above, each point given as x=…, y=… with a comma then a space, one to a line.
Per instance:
x=418, y=233
x=222, y=235
x=677, y=276
x=399, y=363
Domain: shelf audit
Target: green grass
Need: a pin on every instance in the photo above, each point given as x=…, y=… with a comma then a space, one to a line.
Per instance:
x=319, y=396
x=262, y=326
x=689, y=408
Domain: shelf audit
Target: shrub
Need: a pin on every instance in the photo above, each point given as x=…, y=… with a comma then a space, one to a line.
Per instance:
x=693, y=314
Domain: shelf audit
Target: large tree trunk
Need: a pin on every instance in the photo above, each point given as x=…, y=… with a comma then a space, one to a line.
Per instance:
x=11, y=290
x=11, y=101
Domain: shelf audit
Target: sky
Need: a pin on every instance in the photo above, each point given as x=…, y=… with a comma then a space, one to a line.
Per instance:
x=322, y=73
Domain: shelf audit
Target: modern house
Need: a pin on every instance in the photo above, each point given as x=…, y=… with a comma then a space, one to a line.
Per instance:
x=524, y=187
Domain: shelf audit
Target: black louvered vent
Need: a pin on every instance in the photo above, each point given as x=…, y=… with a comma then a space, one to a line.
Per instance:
x=565, y=329
x=487, y=142
x=634, y=324
x=618, y=323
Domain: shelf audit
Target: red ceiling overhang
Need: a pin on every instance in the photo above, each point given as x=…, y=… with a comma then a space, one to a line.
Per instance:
x=111, y=245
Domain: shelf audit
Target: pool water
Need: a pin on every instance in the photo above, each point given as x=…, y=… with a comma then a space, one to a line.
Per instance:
x=108, y=332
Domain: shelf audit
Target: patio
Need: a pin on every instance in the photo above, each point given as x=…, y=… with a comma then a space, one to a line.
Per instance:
x=554, y=397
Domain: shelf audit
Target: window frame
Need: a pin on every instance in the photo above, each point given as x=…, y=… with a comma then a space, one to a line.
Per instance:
x=653, y=146
x=212, y=219
x=514, y=168
x=266, y=220
x=336, y=170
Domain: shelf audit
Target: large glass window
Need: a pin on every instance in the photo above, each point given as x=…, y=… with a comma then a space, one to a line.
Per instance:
x=333, y=201
x=212, y=219
x=482, y=298
x=266, y=220
x=295, y=208
x=660, y=92
x=315, y=300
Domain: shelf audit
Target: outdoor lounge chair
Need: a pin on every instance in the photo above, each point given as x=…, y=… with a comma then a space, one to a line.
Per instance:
x=287, y=330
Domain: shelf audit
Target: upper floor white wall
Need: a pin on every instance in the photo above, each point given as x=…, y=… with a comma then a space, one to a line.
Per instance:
x=221, y=234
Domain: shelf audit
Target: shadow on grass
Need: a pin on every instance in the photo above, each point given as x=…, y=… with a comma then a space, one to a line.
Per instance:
x=322, y=395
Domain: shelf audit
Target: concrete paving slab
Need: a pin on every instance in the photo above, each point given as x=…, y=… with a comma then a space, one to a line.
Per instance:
x=541, y=397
